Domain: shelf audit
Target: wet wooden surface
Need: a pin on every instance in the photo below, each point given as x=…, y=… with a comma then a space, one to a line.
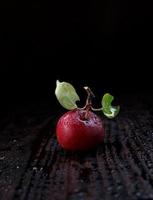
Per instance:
x=34, y=167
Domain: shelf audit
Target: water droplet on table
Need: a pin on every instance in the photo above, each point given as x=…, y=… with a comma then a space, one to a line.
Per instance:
x=2, y=157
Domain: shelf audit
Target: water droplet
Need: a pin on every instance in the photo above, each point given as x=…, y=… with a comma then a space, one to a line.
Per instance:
x=2, y=157
x=34, y=168
x=17, y=167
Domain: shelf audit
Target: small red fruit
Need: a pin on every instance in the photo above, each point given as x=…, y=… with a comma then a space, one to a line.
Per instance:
x=81, y=129
x=76, y=131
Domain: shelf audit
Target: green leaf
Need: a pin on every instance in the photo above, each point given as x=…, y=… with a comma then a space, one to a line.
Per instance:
x=66, y=95
x=109, y=110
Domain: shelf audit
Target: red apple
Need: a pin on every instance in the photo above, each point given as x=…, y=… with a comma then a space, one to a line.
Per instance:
x=76, y=131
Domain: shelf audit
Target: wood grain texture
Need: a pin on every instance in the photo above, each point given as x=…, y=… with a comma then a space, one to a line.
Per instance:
x=34, y=167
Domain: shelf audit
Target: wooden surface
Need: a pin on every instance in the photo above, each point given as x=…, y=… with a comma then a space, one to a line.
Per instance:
x=34, y=167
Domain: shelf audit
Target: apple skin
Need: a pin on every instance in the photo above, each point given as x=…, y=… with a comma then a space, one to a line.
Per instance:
x=77, y=133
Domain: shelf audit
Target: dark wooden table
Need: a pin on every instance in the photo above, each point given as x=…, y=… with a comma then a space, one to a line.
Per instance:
x=34, y=167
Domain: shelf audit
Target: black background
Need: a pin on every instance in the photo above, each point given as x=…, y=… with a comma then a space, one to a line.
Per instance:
x=72, y=41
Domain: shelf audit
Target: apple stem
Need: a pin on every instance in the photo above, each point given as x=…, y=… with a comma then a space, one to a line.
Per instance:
x=90, y=95
x=88, y=105
x=96, y=109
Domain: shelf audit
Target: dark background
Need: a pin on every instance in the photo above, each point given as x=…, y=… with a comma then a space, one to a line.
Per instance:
x=72, y=41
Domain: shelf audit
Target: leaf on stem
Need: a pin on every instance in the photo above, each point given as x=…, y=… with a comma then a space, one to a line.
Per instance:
x=66, y=95
x=109, y=110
